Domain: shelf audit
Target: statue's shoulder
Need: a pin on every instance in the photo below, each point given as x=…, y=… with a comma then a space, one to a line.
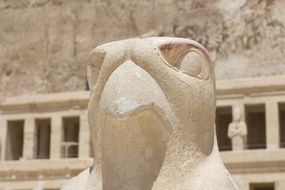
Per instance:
x=78, y=182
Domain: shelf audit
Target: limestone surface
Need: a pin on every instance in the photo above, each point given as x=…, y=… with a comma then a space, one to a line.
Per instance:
x=44, y=44
x=151, y=116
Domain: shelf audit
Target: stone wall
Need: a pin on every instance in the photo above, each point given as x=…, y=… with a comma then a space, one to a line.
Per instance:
x=44, y=44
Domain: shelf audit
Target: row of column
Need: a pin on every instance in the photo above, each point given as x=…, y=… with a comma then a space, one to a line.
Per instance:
x=29, y=146
x=30, y=138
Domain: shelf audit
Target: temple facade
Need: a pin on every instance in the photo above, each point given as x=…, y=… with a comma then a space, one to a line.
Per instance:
x=44, y=139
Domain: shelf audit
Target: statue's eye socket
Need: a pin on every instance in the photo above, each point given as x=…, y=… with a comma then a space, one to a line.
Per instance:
x=186, y=59
x=191, y=63
x=96, y=60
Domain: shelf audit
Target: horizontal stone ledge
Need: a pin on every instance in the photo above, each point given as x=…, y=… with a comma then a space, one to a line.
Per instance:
x=81, y=98
x=254, y=161
x=239, y=162
x=251, y=85
x=64, y=99
x=37, y=169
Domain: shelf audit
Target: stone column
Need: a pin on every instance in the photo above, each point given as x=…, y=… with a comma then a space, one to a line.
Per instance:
x=29, y=147
x=272, y=125
x=237, y=130
x=56, y=137
x=3, y=133
x=280, y=185
x=84, y=136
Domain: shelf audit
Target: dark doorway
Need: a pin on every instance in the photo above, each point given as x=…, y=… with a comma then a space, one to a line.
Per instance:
x=262, y=186
x=223, y=119
x=282, y=124
x=70, y=137
x=15, y=140
x=43, y=138
x=256, y=124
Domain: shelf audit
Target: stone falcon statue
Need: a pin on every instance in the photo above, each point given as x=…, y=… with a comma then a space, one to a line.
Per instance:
x=151, y=116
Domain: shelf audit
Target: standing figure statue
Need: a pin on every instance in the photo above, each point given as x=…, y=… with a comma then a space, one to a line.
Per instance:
x=152, y=118
x=237, y=130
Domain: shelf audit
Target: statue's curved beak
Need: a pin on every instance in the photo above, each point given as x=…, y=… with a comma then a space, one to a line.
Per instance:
x=129, y=90
x=135, y=130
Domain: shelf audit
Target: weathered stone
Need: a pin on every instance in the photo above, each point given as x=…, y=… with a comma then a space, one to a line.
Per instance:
x=151, y=117
x=44, y=43
x=250, y=167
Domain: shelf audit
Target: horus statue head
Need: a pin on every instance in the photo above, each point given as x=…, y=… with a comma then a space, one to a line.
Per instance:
x=151, y=116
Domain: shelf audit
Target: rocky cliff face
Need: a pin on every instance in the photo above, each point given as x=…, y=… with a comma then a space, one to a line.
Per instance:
x=44, y=44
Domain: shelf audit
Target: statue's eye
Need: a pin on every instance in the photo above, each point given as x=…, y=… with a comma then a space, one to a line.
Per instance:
x=191, y=63
x=186, y=58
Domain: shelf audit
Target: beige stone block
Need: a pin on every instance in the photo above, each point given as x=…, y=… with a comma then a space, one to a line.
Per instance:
x=272, y=125
x=84, y=136
x=3, y=131
x=29, y=147
x=56, y=136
